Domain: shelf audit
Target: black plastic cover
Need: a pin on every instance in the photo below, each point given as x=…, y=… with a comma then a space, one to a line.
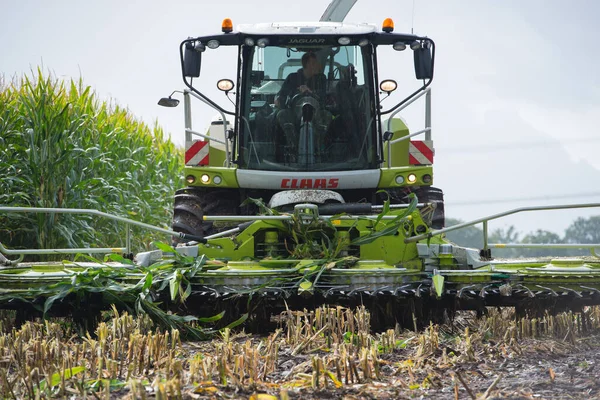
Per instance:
x=191, y=61
x=423, y=63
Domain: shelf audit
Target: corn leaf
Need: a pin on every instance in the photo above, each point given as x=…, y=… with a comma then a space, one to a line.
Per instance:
x=57, y=377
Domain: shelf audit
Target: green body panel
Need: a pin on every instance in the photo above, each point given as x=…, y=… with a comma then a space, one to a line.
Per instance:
x=227, y=249
x=388, y=250
x=400, y=149
x=400, y=161
x=387, y=178
x=216, y=157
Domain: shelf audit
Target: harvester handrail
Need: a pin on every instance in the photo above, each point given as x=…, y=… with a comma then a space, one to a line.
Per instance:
x=286, y=217
x=202, y=135
x=591, y=246
x=410, y=136
x=408, y=103
x=544, y=245
x=426, y=130
x=188, y=121
x=127, y=221
x=488, y=218
x=91, y=250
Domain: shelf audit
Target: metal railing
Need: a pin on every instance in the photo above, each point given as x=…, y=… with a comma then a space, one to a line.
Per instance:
x=91, y=250
x=207, y=137
x=426, y=130
x=484, y=221
x=128, y=222
x=188, y=124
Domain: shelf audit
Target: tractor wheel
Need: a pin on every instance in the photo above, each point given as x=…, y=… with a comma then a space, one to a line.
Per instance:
x=433, y=214
x=191, y=204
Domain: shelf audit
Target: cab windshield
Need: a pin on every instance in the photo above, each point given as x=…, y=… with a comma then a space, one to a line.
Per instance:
x=308, y=109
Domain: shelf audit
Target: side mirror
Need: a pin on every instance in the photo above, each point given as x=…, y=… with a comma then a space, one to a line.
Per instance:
x=168, y=102
x=191, y=61
x=423, y=63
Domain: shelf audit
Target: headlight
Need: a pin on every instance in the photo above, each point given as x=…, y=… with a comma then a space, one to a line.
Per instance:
x=344, y=40
x=263, y=42
x=217, y=180
x=426, y=178
x=205, y=178
x=190, y=179
x=388, y=86
x=399, y=179
x=412, y=178
x=225, y=85
x=198, y=46
x=249, y=42
x=213, y=44
x=399, y=46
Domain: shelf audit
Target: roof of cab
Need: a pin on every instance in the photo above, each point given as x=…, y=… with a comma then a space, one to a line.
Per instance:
x=308, y=28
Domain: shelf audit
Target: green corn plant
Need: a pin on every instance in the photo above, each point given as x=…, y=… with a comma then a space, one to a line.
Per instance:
x=60, y=146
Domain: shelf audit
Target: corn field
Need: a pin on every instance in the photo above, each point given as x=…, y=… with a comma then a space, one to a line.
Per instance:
x=60, y=146
x=328, y=352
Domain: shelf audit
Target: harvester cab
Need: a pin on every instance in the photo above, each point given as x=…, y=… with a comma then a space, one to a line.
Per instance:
x=308, y=117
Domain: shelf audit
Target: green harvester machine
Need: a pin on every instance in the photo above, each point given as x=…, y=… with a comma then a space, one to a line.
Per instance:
x=311, y=192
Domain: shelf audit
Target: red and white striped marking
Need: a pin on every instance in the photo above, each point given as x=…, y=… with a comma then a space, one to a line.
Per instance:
x=420, y=152
x=196, y=153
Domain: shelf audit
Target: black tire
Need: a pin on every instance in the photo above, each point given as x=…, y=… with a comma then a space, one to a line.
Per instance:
x=191, y=204
x=433, y=215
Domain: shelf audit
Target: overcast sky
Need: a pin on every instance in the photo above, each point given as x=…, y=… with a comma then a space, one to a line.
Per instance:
x=516, y=93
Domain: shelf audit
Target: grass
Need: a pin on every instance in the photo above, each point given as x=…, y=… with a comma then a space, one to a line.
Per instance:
x=60, y=146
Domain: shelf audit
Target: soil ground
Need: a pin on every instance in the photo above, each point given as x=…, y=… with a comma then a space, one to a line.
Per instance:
x=496, y=357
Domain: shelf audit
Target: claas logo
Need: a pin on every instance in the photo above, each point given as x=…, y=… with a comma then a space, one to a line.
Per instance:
x=308, y=183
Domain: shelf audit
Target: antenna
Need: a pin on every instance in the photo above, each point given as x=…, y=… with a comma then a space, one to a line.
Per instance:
x=412, y=25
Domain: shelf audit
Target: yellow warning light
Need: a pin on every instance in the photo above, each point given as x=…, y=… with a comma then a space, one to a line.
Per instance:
x=227, y=25
x=388, y=25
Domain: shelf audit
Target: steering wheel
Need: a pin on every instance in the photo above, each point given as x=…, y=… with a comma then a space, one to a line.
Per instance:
x=300, y=100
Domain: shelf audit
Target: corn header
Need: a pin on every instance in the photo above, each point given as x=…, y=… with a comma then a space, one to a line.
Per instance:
x=391, y=261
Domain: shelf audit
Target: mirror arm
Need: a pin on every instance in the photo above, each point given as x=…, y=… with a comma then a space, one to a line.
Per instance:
x=422, y=88
x=406, y=100
x=196, y=91
x=206, y=99
x=222, y=112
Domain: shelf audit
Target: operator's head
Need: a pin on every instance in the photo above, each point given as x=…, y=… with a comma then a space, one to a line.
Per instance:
x=310, y=64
